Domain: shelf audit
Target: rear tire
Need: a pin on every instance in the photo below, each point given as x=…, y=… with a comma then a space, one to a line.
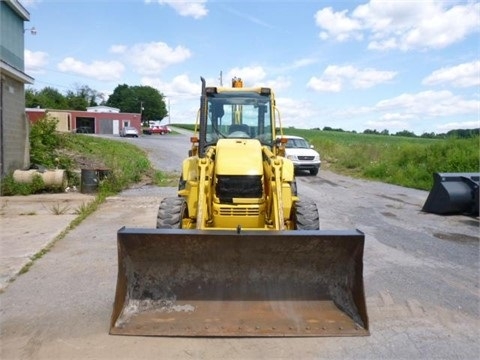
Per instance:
x=306, y=215
x=171, y=212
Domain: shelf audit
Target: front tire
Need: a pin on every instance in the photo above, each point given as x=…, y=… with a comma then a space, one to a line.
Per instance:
x=171, y=212
x=306, y=215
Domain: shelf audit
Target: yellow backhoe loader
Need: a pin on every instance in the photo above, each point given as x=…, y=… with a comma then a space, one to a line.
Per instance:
x=237, y=252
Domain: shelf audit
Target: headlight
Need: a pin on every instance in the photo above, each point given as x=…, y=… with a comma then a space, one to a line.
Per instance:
x=291, y=157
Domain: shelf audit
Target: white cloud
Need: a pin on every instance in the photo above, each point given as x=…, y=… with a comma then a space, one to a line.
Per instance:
x=152, y=58
x=463, y=75
x=429, y=104
x=329, y=85
x=395, y=116
x=35, y=61
x=118, y=49
x=458, y=125
x=335, y=77
x=403, y=25
x=251, y=75
x=193, y=8
x=254, y=76
x=99, y=70
x=180, y=86
x=277, y=84
x=337, y=25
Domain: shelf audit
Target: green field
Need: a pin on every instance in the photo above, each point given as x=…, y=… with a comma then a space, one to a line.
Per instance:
x=404, y=161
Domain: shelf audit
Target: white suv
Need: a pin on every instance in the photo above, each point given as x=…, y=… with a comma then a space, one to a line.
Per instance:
x=302, y=154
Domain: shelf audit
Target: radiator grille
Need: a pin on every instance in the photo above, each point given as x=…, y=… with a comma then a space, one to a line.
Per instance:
x=306, y=157
x=238, y=211
x=234, y=186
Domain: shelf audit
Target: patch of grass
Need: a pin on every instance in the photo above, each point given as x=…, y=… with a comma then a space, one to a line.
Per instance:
x=125, y=163
x=165, y=179
x=10, y=187
x=190, y=127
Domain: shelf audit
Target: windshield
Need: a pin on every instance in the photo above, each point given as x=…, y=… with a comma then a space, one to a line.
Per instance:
x=297, y=144
x=239, y=115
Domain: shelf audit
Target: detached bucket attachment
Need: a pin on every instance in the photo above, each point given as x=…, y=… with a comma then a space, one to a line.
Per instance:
x=453, y=193
x=174, y=282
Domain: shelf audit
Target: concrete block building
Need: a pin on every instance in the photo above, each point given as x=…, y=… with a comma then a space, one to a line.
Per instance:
x=14, y=125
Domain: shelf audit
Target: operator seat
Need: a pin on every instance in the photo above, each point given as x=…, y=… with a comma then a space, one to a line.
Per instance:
x=244, y=128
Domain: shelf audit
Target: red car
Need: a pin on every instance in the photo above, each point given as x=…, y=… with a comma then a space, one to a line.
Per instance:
x=161, y=129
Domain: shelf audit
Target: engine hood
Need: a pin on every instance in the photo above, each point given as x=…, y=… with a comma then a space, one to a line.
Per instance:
x=238, y=157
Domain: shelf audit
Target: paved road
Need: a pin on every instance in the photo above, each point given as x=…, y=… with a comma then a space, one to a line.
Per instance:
x=421, y=278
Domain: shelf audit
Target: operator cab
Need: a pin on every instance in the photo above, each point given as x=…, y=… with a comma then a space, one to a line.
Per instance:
x=238, y=114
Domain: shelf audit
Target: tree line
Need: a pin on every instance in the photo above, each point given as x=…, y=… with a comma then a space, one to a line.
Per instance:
x=145, y=100
x=456, y=133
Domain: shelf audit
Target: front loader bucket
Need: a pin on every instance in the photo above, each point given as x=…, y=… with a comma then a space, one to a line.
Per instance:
x=174, y=282
x=453, y=193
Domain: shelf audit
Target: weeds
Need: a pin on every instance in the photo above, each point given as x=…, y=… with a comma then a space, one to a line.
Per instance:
x=59, y=209
x=82, y=209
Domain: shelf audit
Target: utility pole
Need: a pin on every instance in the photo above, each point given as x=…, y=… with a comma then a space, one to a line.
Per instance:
x=169, y=119
x=221, y=78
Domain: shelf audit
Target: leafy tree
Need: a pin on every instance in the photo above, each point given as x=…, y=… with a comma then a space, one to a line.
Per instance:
x=31, y=98
x=43, y=141
x=76, y=102
x=430, y=135
x=47, y=98
x=328, y=128
x=83, y=97
x=463, y=133
x=133, y=99
x=405, y=133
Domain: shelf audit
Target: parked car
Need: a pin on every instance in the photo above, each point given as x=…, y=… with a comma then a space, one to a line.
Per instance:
x=302, y=154
x=160, y=129
x=129, y=131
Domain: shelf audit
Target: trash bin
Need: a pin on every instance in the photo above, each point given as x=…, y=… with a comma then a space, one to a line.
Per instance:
x=89, y=181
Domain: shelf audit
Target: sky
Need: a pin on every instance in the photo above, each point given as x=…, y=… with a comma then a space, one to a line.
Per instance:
x=354, y=65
